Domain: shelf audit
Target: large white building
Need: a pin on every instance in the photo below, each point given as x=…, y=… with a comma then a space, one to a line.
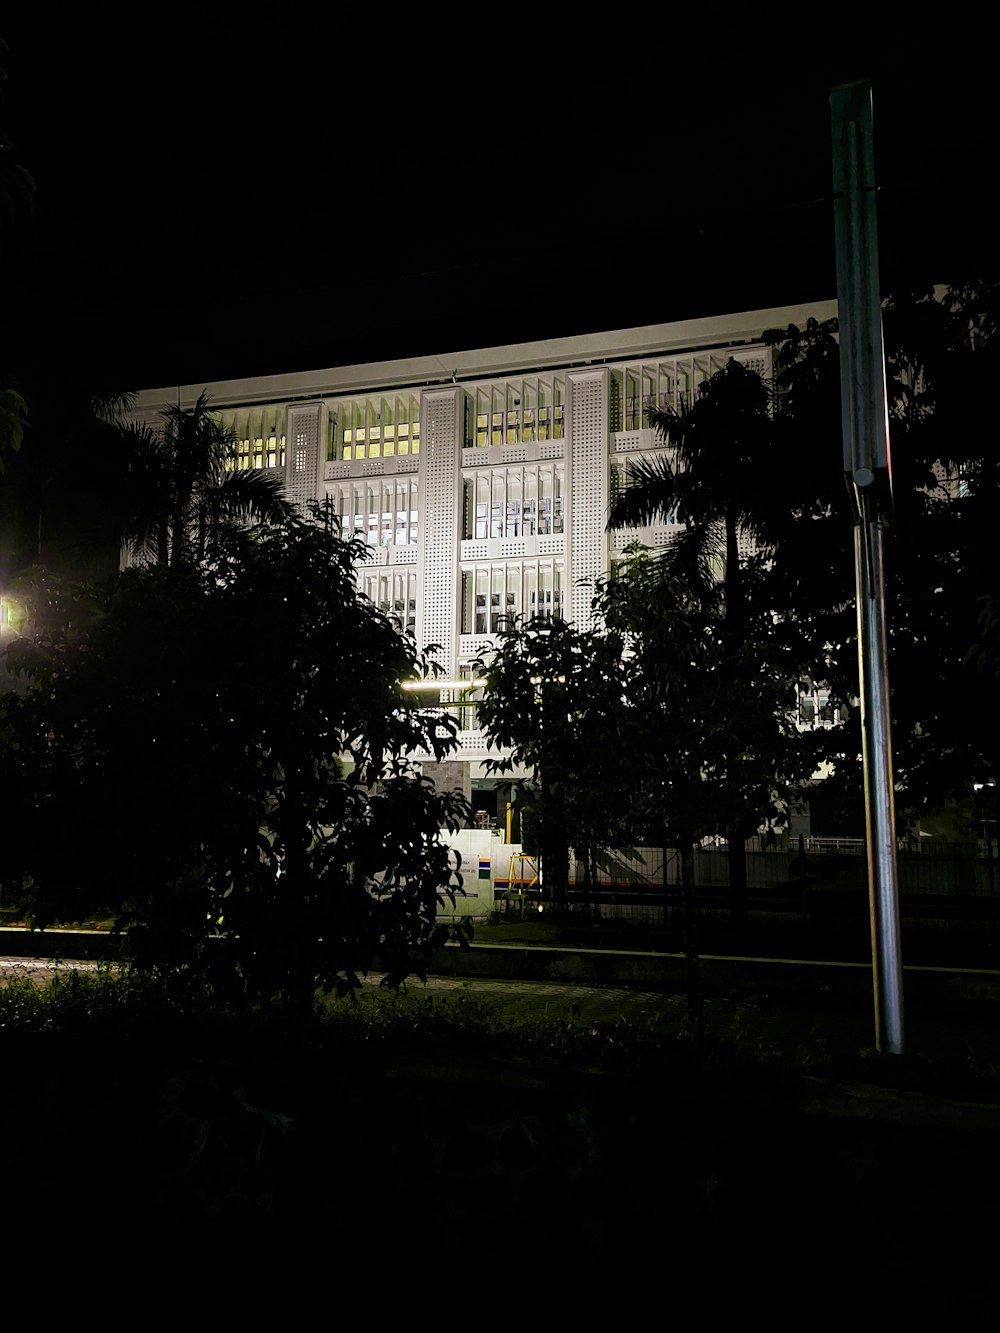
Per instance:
x=481, y=479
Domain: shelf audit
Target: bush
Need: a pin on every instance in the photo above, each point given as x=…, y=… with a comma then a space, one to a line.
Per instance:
x=221, y=763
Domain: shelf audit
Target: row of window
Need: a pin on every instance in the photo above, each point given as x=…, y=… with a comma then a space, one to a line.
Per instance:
x=517, y=425
x=394, y=592
x=528, y=589
x=508, y=412
x=387, y=426
x=634, y=413
x=381, y=511
x=635, y=391
x=513, y=502
x=515, y=412
x=380, y=441
x=259, y=452
x=815, y=707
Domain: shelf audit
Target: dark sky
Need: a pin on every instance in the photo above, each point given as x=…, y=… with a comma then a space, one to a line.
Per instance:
x=226, y=191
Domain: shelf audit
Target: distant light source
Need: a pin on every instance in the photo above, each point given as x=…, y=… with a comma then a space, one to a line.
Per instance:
x=442, y=684
x=12, y=613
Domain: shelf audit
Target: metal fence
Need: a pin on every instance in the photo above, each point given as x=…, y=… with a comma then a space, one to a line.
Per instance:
x=808, y=878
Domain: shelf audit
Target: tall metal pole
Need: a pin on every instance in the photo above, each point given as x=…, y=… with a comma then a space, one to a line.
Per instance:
x=868, y=473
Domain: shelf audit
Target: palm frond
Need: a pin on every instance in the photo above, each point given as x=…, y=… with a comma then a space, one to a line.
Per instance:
x=253, y=495
x=649, y=493
x=146, y=499
x=696, y=558
x=113, y=407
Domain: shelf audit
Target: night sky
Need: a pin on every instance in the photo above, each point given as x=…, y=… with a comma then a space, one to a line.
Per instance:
x=229, y=191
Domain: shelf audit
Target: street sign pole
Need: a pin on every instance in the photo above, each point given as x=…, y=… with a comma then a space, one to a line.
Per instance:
x=868, y=472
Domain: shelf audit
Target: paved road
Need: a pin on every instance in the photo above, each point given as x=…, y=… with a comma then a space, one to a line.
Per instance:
x=40, y=970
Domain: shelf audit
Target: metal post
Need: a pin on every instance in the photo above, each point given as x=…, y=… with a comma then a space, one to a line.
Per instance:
x=868, y=473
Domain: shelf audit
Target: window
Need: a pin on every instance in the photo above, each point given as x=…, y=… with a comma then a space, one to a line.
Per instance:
x=258, y=434
x=382, y=427
x=508, y=502
x=519, y=412
x=491, y=593
x=381, y=511
x=394, y=592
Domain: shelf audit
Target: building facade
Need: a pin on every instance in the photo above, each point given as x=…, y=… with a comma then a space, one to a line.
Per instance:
x=480, y=480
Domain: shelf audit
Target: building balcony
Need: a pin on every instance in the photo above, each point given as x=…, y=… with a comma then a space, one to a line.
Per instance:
x=371, y=467
x=632, y=441
x=387, y=555
x=494, y=454
x=511, y=548
x=656, y=535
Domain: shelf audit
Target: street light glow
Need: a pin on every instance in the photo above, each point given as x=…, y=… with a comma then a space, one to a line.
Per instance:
x=442, y=684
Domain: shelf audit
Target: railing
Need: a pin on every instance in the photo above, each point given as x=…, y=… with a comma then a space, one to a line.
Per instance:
x=826, y=880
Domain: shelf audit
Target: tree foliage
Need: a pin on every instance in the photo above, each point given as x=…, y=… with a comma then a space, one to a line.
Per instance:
x=13, y=419
x=184, y=491
x=713, y=744
x=554, y=700
x=654, y=728
x=655, y=724
x=942, y=353
x=221, y=764
x=716, y=475
x=724, y=476
x=768, y=528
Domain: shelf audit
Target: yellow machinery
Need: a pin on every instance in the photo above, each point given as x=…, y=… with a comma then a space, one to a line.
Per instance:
x=517, y=898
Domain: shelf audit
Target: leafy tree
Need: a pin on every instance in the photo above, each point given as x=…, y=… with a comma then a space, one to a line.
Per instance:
x=942, y=353
x=944, y=356
x=711, y=738
x=722, y=477
x=713, y=476
x=13, y=418
x=554, y=700
x=62, y=497
x=221, y=766
x=795, y=575
x=984, y=655
x=808, y=581
x=645, y=727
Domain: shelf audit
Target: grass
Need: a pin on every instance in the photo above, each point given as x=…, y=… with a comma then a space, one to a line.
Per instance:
x=111, y=1005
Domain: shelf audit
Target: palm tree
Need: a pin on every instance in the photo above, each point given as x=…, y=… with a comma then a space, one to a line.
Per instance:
x=716, y=476
x=719, y=477
x=184, y=490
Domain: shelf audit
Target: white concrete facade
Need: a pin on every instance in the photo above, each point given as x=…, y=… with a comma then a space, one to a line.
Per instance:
x=481, y=479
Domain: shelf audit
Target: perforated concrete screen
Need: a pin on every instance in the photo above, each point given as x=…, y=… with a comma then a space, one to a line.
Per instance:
x=757, y=359
x=588, y=423
x=441, y=417
x=303, y=452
